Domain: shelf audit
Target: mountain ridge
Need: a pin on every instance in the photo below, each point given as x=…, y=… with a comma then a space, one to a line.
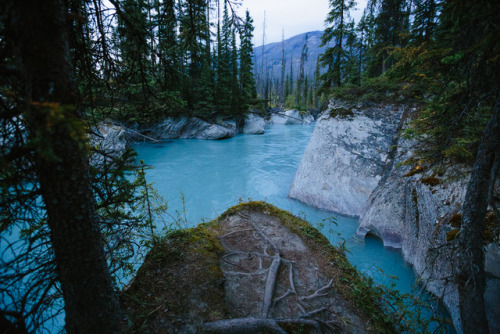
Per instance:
x=270, y=61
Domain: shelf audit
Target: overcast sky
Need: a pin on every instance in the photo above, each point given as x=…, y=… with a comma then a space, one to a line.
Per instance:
x=294, y=16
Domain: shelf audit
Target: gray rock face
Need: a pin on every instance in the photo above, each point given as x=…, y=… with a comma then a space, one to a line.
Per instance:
x=291, y=117
x=193, y=128
x=345, y=158
x=199, y=129
x=171, y=128
x=254, y=125
x=353, y=166
x=110, y=139
x=412, y=213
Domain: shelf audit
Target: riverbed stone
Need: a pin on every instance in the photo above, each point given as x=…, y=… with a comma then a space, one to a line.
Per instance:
x=346, y=157
x=192, y=128
x=254, y=125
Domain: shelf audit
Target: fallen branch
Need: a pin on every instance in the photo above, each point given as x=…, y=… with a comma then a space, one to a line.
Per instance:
x=259, y=325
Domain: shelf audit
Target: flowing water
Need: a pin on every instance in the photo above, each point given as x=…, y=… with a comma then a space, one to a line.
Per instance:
x=215, y=175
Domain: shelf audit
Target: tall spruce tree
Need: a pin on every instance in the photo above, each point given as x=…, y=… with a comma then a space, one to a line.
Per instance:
x=223, y=87
x=391, y=31
x=168, y=48
x=424, y=21
x=236, y=102
x=132, y=32
x=335, y=57
x=299, y=98
x=193, y=43
x=247, y=80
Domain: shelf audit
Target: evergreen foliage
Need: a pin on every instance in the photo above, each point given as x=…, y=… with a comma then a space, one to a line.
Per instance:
x=335, y=57
x=247, y=80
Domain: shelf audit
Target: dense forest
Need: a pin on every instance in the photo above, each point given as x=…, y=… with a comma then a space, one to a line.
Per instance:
x=67, y=64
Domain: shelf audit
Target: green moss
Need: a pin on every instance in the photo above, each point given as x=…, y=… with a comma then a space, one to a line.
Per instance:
x=341, y=112
x=189, y=259
x=415, y=170
x=179, y=275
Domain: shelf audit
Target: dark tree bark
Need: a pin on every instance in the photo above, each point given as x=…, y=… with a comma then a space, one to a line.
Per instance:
x=471, y=280
x=37, y=31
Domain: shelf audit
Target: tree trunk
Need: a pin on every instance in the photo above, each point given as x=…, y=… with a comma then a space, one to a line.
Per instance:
x=471, y=280
x=39, y=36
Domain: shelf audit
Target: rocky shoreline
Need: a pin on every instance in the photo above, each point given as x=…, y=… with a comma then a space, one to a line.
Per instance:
x=196, y=128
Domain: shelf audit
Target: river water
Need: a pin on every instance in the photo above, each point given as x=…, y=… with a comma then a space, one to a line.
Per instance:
x=215, y=175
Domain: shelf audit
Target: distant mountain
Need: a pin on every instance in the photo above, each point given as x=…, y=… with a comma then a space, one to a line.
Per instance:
x=293, y=51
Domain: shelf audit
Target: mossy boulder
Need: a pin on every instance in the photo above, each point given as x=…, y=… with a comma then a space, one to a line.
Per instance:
x=255, y=266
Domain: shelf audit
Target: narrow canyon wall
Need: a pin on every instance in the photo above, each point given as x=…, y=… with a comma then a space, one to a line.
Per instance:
x=355, y=165
x=346, y=157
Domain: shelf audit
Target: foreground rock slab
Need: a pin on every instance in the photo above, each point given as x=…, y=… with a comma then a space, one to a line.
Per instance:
x=254, y=269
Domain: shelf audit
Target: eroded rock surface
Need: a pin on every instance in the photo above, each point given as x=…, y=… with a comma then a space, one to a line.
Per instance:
x=109, y=141
x=354, y=165
x=254, y=125
x=290, y=117
x=416, y=210
x=193, y=128
x=199, y=129
x=346, y=157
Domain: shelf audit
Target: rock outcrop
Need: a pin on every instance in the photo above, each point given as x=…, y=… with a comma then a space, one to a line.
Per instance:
x=109, y=141
x=170, y=128
x=290, y=117
x=346, y=157
x=199, y=129
x=193, y=128
x=255, y=269
x=418, y=210
x=254, y=125
x=354, y=165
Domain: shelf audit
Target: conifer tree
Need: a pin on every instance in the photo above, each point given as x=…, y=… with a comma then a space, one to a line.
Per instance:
x=287, y=86
x=132, y=33
x=283, y=66
x=236, y=101
x=168, y=48
x=299, y=98
x=391, y=30
x=335, y=57
x=424, y=22
x=223, y=88
x=193, y=43
x=247, y=80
